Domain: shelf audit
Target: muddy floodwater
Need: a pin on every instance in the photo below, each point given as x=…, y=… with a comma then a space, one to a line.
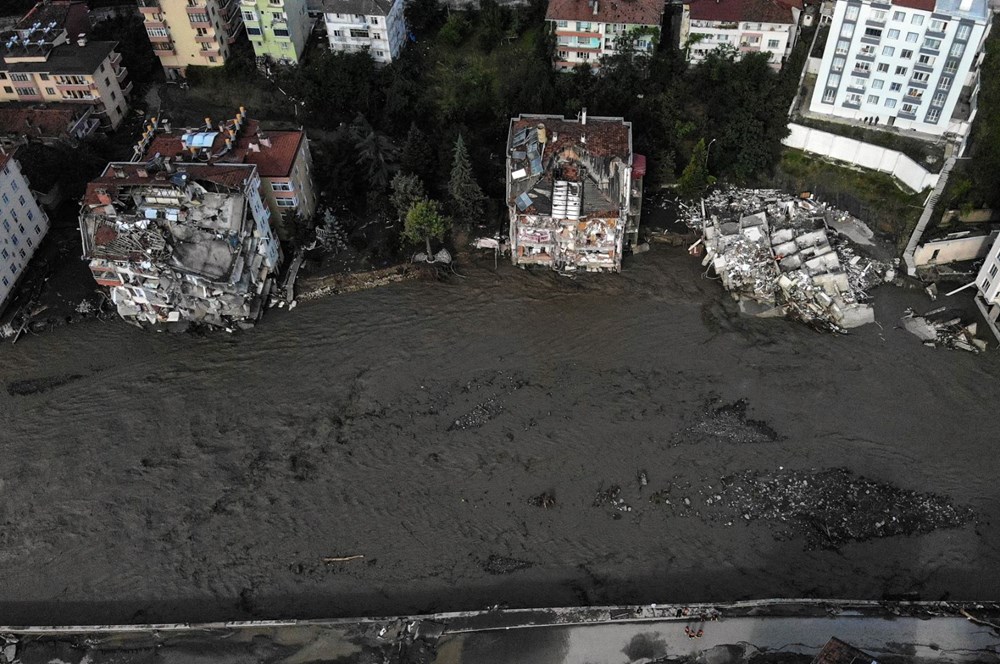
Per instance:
x=511, y=437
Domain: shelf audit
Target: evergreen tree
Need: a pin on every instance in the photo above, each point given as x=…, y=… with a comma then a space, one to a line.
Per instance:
x=376, y=153
x=418, y=157
x=695, y=177
x=424, y=222
x=467, y=198
x=407, y=190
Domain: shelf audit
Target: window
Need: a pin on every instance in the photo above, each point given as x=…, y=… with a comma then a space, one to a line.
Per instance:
x=878, y=84
x=883, y=67
x=895, y=87
x=893, y=34
x=50, y=91
x=582, y=27
x=281, y=186
x=20, y=199
x=374, y=20
x=28, y=240
x=359, y=34
x=993, y=271
x=944, y=84
x=45, y=77
x=249, y=15
x=834, y=80
x=938, y=25
x=931, y=43
x=917, y=19
x=911, y=37
x=21, y=253
x=963, y=32
x=842, y=47
x=957, y=50
x=906, y=54
x=14, y=241
x=921, y=76
x=38, y=231
x=286, y=202
x=867, y=50
x=852, y=12
x=6, y=225
x=380, y=53
x=933, y=115
x=838, y=64
x=899, y=16
x=878, y=15
x=853, y=99
x=909, y=108
x=900, y=71
x=847, y=30
x=916, y=93
x=6, y=201
x=857, y=82
x=26, y=92
x=772, y=43
x=938, y=99
x=873, y=32
x=872, y=99
x=5, y=282
x=253, y=31
x=211, y=58
x=926, y=60
x=31, y=216
x=888, y=50
x=862, y=66
x=950, y=66
x=19, y=77
x=562, y=24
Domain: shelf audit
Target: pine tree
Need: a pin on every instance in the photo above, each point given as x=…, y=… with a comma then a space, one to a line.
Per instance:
x=407, y=189
x=418, y=158
x=467, y=198
x=695, y=177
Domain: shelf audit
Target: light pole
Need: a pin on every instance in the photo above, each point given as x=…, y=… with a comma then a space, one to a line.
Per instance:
x=708, y=150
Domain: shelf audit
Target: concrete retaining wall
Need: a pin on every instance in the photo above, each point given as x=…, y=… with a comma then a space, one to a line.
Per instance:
x=950, y=251
x=859, y=153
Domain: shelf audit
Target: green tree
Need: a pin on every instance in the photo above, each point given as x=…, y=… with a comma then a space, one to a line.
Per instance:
x=417, y=157
x=376, y=152
x=407, y=191
x=695, y=177
x=425, y=222
x=467, y=198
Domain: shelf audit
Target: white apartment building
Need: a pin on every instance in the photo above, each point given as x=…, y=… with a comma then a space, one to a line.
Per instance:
x=988, y=288
x=903, y=63
x=747, y=26
x=22, y=225
x=587, y=30
x=356, y=25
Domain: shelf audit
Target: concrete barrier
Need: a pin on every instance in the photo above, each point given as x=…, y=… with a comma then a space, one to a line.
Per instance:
x=862, y=154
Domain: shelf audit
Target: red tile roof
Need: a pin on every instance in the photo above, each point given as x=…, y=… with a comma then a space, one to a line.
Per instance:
x=604, y=137
x=227, y=175
x=275, y=161
x=4, y=158
x=734, y=11
x=838, y=652
x=924, y=5
x=633, y=12
x=53, y=121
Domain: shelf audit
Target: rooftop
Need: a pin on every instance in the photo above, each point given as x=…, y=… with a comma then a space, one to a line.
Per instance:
x=732, y=11
x=567, y=167
x=923, y=5
x=838, y=652
x=50, y=16
x=69, y=58
x=273, y=152
x=365, y=7
x=633, y=12
x=48, y=120
x=120, y=176
x=978, y=10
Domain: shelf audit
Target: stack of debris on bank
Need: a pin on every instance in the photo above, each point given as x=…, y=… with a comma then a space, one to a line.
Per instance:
x=180, y=242
x=780, y=255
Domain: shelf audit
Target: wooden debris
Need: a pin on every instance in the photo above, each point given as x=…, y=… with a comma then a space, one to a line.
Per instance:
x=343, y=559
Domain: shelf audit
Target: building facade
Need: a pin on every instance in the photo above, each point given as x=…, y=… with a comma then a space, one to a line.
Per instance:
x=278, y=29
x=911, y=64
x=747, y=26
x=377, y=26
x=587, y=30
x=175, y=241
x=574, y=191
x=23, y=224
x=988, y=288
x=47, y=58
x=282, y=158
x=191, y=32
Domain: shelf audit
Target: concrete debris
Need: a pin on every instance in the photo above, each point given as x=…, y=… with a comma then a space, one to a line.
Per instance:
x=331, y=234
x=499, y=565
x=546, y=500
x=612, y=496
x=947, y=331
x=784, y=255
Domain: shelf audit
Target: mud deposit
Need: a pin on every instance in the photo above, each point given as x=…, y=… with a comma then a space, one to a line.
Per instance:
x=512, y=438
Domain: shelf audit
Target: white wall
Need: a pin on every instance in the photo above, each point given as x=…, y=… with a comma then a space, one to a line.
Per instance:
x=942, y=252
x=859, y=153
x=988, y=280
x=18, y=245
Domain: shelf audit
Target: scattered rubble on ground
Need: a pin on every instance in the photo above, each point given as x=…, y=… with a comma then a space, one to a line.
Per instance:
x=546, y=500
x=480, y=414
x=781, y=255
x=612, y=496
x=939, y=328
x=728, y=422
x=499, y=565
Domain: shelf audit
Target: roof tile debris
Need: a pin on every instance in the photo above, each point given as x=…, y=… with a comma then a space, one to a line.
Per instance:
x=51, y=120
x=838, y=652
x=630, y=12
x=734, y=11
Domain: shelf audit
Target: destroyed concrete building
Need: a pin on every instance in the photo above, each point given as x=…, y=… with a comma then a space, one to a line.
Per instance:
x=574, y=191
x=180, y=241
x=776, y=254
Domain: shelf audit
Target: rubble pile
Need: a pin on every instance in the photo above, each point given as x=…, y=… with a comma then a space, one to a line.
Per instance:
x=937, y=328
x=499, y=565
x=791, y=256
x=728, y=422
x=612, y=497
x=833, y=507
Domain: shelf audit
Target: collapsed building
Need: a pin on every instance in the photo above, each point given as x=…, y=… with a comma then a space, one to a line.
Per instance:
x=574, y=191
x=780, y=255
x=180, y=241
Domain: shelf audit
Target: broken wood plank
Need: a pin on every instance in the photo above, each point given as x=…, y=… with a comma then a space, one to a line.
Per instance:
x=343, y=559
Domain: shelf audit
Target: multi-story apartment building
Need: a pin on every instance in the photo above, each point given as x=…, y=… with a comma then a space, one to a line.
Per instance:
x=988, y=288
x=574, y=191
x=282, y=158
x=175, y=241
x=278, y=29
x=748, y=26
x=377, y=26
x=902, y=63
x=191, y=32
x=47, y=58
x=22, y=225
x=586, y=30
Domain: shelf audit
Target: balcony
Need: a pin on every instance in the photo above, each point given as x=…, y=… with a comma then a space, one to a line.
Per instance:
x=158, y=39
x=127, y=90
x=121, y=74
x=197, y=14
x=206, y=39
x=149, y=6
x=116, y=57
x=210, y=52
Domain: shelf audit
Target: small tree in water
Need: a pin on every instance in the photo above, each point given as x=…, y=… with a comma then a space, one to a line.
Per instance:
x=695, y=177
x=423, y=222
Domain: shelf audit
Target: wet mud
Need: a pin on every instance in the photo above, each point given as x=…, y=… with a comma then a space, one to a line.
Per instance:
x=436, y=427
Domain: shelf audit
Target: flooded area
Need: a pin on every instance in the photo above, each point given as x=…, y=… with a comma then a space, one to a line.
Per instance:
x=438, y=446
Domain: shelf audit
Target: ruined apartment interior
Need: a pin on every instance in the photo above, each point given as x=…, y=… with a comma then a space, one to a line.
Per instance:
x=574, y=189
x=180, y=242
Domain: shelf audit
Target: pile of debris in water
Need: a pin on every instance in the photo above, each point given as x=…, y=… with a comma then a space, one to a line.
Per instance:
x=938, y=328
x=785, y=255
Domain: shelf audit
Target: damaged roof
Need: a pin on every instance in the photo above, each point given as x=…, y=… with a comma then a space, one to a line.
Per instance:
x=69, y=15
x=838, y=652
x=232, y=176
x=567, y=167
x=365, y=7
x=632, y=12
x=48, y=120
x=273, y=161
x=734, y=11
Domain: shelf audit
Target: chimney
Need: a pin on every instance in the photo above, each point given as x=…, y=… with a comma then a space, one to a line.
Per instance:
x=81, y=40
x=119, y=172
x=595, y=7
x=583, y=116
x=142, y=172
x=168, y=165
